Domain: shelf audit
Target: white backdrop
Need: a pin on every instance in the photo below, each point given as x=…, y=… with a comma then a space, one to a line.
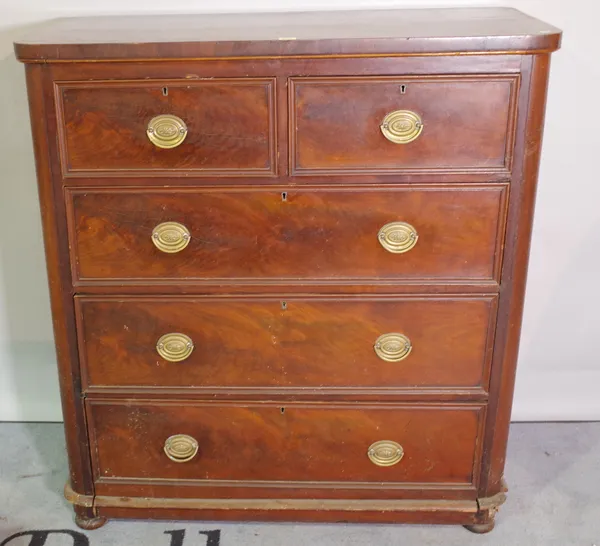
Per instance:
x=559, y=369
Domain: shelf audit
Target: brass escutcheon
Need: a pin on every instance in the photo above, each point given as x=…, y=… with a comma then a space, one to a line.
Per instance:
x=401, y=126
x=170, y=237
x=385, y=453
x=398, y=237
x=166, y=131
x=181, y=448
x=174, y=347
x=392, y=347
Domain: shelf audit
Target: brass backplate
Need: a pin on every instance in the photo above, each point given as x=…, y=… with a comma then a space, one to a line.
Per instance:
x=385, y=453
x=170, y=237
x=392, y=347
x=402, y=126
x=166, y=131
x=181, y=448
x=174, y=347
x=398, y=237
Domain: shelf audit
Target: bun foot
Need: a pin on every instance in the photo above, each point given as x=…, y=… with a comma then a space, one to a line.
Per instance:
x=481, y=528
x=89, y=524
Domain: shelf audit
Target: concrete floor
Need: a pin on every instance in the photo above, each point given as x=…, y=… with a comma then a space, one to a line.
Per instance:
x=553, y=473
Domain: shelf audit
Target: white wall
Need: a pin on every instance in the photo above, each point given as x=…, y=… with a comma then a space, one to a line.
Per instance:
x=559, y=371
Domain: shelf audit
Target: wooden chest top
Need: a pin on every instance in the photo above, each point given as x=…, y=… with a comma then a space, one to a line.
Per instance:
x=388, y=32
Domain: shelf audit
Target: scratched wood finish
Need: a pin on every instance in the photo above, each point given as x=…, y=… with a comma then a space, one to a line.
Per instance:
x=313, y=234
x=230, y=126
x=150, y=492
x=357, y=32
x=291, y=342
x=335, y=124
x=432, y=513
x=63, y=315
x=294, y=442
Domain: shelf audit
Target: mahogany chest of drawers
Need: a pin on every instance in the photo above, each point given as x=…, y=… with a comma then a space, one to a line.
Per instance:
x=287, y=258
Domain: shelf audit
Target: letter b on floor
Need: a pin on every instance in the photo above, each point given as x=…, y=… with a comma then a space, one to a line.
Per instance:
x=38, y=538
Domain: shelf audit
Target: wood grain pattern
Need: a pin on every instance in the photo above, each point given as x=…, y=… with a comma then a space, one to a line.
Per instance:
x=312, y=342
x=296, y=442
x=231, y=126
x=59, y=280
x=335, y=124
x=307, y=234
x=514, y=273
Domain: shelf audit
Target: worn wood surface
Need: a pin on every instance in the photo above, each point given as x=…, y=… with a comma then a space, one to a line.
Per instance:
x=316, y=234
x=286, y=343
x=59, y=280
x=230, y=126
x=335, y=124
x=282, y=34
x=267, y=442
x=447, y=512
x=514, y=273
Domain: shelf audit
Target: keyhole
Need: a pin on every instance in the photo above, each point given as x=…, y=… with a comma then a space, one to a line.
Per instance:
x=165, y=91
x=284, y=305
x=282, y=410
x=284, y=195
x=402, y=89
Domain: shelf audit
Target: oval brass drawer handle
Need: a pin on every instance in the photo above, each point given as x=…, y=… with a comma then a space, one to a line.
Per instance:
x=174, y=347
x=398, y=237
x=166, y=131
x=385, y=453
x=181, y=448
x=170, y=237
x=401, y=126
x=392, y=347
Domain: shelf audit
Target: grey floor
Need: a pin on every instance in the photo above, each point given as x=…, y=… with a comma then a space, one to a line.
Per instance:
x=553, y=472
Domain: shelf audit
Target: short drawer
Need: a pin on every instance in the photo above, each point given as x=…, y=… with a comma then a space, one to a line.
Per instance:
x=203, y=127
x=209, y=343
x=395, y=125
x=316, y=235
x=220, y=442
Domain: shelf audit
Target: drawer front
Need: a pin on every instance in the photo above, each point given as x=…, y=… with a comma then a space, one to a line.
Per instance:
x=317, y=342
x=228, y=127
x=264, y=442
x=459, y=124
x=319, y=234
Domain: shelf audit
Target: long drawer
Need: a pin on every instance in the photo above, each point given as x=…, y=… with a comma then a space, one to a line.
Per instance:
x=272, y=342
x=147, y=442
x=321, y=234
